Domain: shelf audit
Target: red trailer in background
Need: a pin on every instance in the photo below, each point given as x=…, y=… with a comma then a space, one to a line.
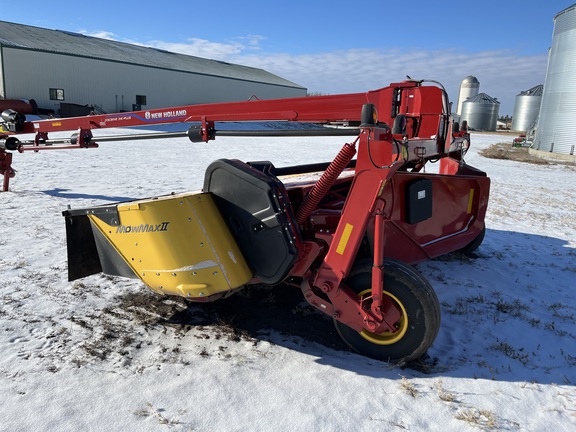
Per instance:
x=347, y=237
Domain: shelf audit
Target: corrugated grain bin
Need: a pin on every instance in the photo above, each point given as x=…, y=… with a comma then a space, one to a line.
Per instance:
x=469, y=87
x=556, y=125
x=526, y=109
x=481, y=112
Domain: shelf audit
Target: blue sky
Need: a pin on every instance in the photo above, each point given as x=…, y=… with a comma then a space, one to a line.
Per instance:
x=333, y=46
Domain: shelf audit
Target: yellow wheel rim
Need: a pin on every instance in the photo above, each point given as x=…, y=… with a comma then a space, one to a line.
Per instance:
x=387, y=338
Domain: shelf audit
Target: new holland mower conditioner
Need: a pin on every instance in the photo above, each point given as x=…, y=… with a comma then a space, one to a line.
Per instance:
x=347, y=236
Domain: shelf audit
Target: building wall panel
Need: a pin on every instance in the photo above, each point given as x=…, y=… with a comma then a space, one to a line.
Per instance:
x=2, y=92
x=114, y=85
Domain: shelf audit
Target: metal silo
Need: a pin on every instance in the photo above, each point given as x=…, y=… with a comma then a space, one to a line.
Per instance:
x=469, y=87
x=481, y=112
x=556, y=126
x=526, y=109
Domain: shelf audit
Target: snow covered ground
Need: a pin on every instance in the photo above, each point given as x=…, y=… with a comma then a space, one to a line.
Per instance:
x=107, y=354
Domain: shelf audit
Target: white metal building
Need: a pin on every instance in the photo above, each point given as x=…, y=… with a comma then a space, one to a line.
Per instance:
x=54, y=67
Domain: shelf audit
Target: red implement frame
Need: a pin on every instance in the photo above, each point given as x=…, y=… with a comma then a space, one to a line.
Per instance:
x=374, y=211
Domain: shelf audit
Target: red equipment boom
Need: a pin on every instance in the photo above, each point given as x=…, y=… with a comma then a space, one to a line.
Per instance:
x=419, y=106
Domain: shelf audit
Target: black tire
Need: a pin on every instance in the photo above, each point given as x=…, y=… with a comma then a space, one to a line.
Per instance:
x=420, y=321
x=474, y=244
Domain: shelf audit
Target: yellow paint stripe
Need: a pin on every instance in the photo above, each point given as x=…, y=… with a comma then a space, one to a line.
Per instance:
x=470, y=201
x=344, y=239
x=381, y=188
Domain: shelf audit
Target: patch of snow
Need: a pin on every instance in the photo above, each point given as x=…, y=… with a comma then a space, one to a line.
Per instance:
x=106, y=353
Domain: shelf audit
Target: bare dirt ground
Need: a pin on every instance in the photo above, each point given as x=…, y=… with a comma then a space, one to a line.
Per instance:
x=504, y=150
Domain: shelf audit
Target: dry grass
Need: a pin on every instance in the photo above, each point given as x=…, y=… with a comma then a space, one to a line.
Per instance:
x=151, y=411
x=444, y=395
x=408, y=387
x=483, y=418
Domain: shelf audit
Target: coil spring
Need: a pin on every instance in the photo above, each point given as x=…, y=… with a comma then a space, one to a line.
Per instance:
x=325, y=182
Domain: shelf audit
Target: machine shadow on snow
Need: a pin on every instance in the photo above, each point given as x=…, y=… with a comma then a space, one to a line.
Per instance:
x=280, y=315
x=274, y=314
x=525, y=290
x=514, y=246
x=63, y=193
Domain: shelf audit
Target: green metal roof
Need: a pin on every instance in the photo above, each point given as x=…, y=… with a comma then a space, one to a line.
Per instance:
x=76, y=44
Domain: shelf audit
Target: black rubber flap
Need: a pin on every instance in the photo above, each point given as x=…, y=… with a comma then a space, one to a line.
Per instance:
x=89, y=252
x=82, y=254
x=255, y=206
x=418, y=200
